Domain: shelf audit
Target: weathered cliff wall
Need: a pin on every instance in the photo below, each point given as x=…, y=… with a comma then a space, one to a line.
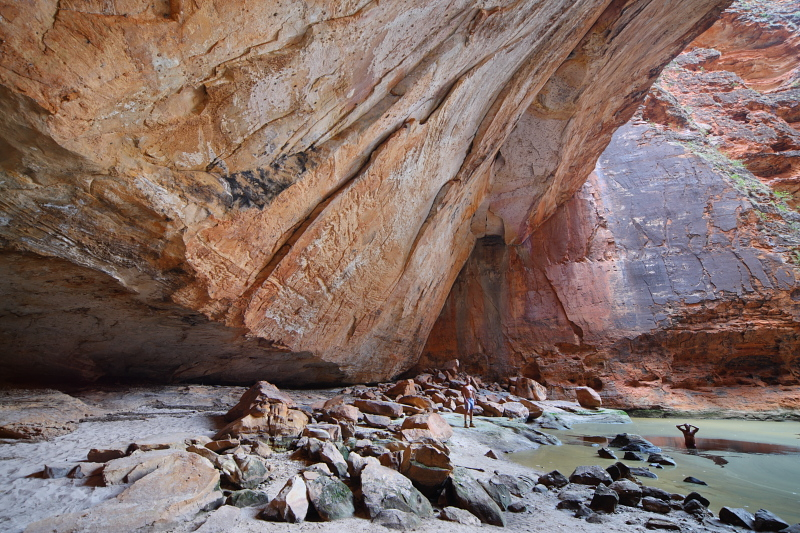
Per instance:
x=673, y=272
x=303, y=174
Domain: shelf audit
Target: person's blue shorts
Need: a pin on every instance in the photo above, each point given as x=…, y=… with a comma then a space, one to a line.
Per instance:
x=470, y=404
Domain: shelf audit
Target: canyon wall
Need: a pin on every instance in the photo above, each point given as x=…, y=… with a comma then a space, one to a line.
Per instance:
x=673, y=273
x=230, y=191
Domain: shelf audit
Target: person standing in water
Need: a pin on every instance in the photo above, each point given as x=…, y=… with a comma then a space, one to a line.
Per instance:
x=469, y=403
x=688, y=434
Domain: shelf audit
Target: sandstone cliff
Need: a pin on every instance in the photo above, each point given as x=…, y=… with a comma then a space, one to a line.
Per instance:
x=673, y=273
x=230, y=191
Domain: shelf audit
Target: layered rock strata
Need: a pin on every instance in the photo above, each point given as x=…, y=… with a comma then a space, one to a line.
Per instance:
x=230, y=189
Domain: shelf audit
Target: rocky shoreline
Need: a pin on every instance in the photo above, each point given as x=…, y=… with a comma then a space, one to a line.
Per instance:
x=352, y=457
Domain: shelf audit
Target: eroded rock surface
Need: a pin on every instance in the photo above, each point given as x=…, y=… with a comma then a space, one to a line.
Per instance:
x=232, y=191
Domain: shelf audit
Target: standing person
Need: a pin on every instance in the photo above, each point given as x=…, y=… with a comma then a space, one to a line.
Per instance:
x=689, y=431
x=469, y=402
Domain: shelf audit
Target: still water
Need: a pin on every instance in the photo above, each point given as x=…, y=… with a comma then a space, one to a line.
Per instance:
x=747, y=464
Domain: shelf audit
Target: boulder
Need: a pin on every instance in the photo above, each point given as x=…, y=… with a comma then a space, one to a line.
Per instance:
x=655, y=505
x=377, y=421
x=331, y=456
x=376, y=407
x=419, y=401
x=250, y=471
x=277, y=421
x=590, y=475
x=518, y=486
x=642, y=472
x=534, y=410
x=630, y=494
x=697, y=497
x=604, y=500
x=427, y=463
x=554, y=479
x=134, y=467
x=497, y=490
x=248, y=498
x=261, y=449
x=737, y=517
x=633, y=456
x=291, y=503
x=256, y=401
x=605, y=453
x=661, y=459
x=384, y=488
x=764, y=520
x=587, y=397
x=469, y=495
x=104, y=455
x=432, y=422
x=515, y=410
x=490, y=408
x=405, y=387
x=517, y=507
x=397, y=519
x=692, y=479
x=660, y=523
x=331, y=431
x=177, y=489
x=350, y=413
x=331, y=498
x=696, y=508
x=655, y=492
x=219, y=446
x=462, y=516
x=630, y=442
x=55, y=471
x=530, y=389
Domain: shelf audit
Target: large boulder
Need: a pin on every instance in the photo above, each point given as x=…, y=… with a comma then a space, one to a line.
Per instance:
x=737, y=517
x=427, y=463
x=376, y=407
x=384, y=488
x=175, y=490
x=590, y=475
x=588, y=397
x=515, y=410
x=630, y=494
x=467, y=494
x=604, y=500
x=331, y=498
x=765, y=520
x=277, y=421
x=530, y=389
x=629, y=442
x=554, y=479
x=249, y=473
x=497, y=490
x=256, y=401
x=433, y=423
x=404, y=387
x=462, y=516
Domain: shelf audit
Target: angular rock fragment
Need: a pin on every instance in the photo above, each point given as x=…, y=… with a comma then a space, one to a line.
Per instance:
x=256, y=401
x=427, y=463
x=590, y=475
x=655, y=505
x=291, y=503
x=515, y=410
x=588, y=397
x=554, y=479
x=695, y=496
x=397, y=519
x=250, y=471
x=331, y=456
x=497, y=490
x=620, y=471
x=433, y=423
x=604, y=500
x=106, y=454
x=764, y=520
x=660, y=523
x=248, y=498
x=605, y=453
x=630, y=494
x=375, y=407
x=465, y=493
x=692, y=479
x=462, y=516
x=530, y=389
x=661, y=459
x=276, y=420
x=331, y=498
x=384, y=488
x=737, y=517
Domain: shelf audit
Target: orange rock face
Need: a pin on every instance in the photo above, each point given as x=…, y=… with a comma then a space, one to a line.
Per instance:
x=248, y=190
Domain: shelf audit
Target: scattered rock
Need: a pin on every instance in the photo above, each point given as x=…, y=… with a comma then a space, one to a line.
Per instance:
x=694, y=507
x=276, y=420
x=515, y=410
x=629, y=442
x=660, y=523
x=377, y=421
x=219, y=446
x=737, y=517
x=643, y=472
x=291, y=503
x=654, y=492
x=605, y=453
x=462, y=516
x=344, y=412
x=540, y=489
x=694, y=480
x=490, y=408
x=375, y=407
x=248, y=498
x=604, y=500
x=469, y=495
x=518, y=486
x=56, y=471
x=249, y=473
x=655, y=505
x=620, y=471
x=331, y=456
x=554, y=479
x=697, y=497
x=633, y=456
x=418, y=401
x=331, y=498
x=432, y=422
x=590, y=475
x=517, y=507
x=497, y=490
x=397, y=519
x=405, y=387
x=384, y=488
x=256, y=401
x=588, y=397
x=323, y=431
x=661, y=459
x=630, y=494
x=767, y=521
x=491, y=455
x=106, y=454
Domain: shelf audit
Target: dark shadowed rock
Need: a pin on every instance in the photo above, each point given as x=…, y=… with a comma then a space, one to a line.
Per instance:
x=655, y=505
x=696, y=508
x=248, y=498
x=696, y=496
x=620, y=471
x=554, y=479
x=605, y=453
x=469, y=495
x=517, y=507
x=660, y=523
x=604, y=500
x=692, y=479
x=518, y=485
x=766, y=521
x=495, y=488
x=655, y=492
x=737, y=517
x=633, y=456
x=630, y=442
x=643, y=472
x=583, y=512
x=590, y=475
x=629, y=493
x=661, y=459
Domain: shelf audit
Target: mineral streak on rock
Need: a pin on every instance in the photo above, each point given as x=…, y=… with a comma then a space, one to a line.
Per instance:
x=255, y=185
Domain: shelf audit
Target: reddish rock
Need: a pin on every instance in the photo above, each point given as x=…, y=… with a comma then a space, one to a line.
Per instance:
x=588, y=397
x=404, y=387
x=279, y=421
x=257, y=400
x=420, y=402
x=390, y=409
x=432, y=422
x=530, y=389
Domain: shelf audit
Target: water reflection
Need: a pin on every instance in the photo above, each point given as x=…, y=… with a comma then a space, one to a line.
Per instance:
x=725, y=445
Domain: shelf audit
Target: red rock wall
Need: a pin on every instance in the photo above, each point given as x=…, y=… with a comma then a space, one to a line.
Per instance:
x=303, y=173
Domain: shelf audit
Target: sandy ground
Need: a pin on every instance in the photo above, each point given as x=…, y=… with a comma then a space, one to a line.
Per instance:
x=128, y=416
